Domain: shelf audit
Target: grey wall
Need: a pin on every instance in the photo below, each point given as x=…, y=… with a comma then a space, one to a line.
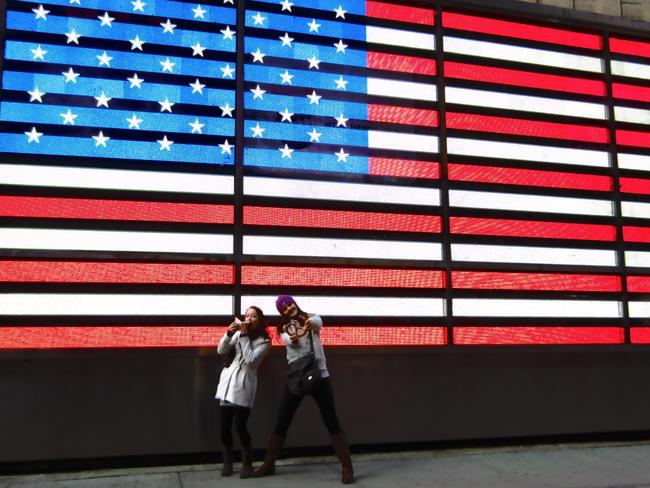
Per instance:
x=629, y=9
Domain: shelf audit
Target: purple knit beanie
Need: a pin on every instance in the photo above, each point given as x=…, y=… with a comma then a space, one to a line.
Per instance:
x=282, y=301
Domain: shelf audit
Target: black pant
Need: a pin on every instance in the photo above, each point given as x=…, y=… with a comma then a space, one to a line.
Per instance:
x=240, y=417
x=324, y=398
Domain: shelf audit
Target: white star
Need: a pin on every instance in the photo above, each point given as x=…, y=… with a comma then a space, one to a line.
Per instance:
x=196, y=126
x=342, y=156
x=340, y=12
x=258, y=93
x=227, y=71
x=340, y=120
x=105, y=59
x=168, y=26
x=286, y=5
x=102, y=100
x=136, y=43
x=199, y=12
x=286, y=40
x=39, y=53
x=313, y=62
x=225, y=147
x=72, y=37
x=313, y=26
x=100, y=139
x=286, y=115
x=231, y=2
x=286, y=151
x=258, y=19
x=226, y=110
x=166, y=105
x=340, y=47
x=286, y=77
x=135, y=81
x=227, y=33
x=78, y=2
x=70, y=75
x=313, y=98
x=197, y=49
x=36, y=95
x=40, y=12
x=257, y=130
x=258, y=56
x=138, y=5
x=167, y=65
x=68, y=117
x=340, y=83
x=197, y=86
x=134, y=121
x=106, y=19
x=314, y=136
x=33, y=135
x=165, y=144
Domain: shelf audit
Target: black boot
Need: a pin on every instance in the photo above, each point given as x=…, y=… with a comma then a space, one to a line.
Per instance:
x=246, y=463
x=342, y=451
x=226, y=470
x=272, y=453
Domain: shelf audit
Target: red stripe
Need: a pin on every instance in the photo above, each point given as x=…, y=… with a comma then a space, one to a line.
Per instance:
x=640, y=335
x=335, y=219
x=636, y=234
x=260, y=275
x=521, y=31
x=486, y=280
x=402, y=115
x=638, y=284
x=635, y=48
x=106, y=272
x=635, y=185
x=529, y=128
x=373, y=336
x=391, y=11
x=483, y=336
x=400, y=63
x=404, y=168
x=529, y=79
x=633, y=138
x=631, y=92
x=82, y=208
x=528, y=177
x=527, y=228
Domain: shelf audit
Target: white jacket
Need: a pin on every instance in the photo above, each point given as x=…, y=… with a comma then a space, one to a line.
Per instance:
x=238, y=382
x=294, y=351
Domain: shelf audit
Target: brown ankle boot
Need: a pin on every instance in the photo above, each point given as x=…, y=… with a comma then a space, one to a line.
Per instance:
x=226, y=469
x=272, y=453
x=342, y=451
x=246, y=463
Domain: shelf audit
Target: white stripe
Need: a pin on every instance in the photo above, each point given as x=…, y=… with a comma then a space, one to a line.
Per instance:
x=637, y=210
x=494, y=50
x=329, y=190
x=633, y=70
x=634, y=115
x=354, y=306
x=396, y=37
x=115, y=179
x=114, y=304
x=483, y=98
x=533, y=255
x=484, y=307
x=402, y=142
x=105, y=240
x=637, y=259
x=402, y=89
x=634, y=161
x=527, y=152
x=530, y=203
x=341, y=248
x=639, y=310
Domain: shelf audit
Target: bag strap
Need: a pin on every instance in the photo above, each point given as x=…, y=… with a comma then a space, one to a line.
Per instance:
x=311, y=342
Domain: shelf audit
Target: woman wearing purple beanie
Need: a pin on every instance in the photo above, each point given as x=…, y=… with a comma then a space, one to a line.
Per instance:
x=300, y=332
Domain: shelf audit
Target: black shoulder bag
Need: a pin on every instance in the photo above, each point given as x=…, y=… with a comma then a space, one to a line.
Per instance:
x=303, y=375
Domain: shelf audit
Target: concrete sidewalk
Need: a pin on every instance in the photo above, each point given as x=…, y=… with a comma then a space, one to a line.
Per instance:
x=593, y=465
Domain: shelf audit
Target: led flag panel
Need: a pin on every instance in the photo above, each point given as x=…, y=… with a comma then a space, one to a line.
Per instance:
x=418, y=174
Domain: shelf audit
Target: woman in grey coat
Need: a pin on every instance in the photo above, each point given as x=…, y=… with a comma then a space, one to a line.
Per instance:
x=245, y=344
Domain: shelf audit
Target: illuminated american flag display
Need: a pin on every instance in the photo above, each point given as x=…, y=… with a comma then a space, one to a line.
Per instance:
x=417, y=174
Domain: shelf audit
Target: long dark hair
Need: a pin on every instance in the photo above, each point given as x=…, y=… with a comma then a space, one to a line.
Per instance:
x=302, y=316
x=260, y=331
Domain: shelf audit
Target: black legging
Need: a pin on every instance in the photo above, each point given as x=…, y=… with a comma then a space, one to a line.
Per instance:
x=240, y=417
x=323, y=397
